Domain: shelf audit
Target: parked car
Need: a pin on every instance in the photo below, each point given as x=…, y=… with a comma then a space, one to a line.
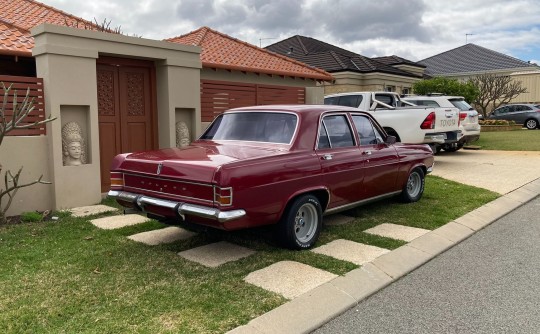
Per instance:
x=526, y=114
x=284, y=165
x=410, y=124
x=468, y=117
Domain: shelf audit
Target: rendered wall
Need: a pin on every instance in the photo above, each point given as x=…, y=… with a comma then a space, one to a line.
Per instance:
x=31, y=153
x=66, y=60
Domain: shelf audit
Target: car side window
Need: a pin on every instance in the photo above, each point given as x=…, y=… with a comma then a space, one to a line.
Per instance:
x=522, y=108
x=350, y=100
x=427, y=103
x=336, y=132
x=366, y=132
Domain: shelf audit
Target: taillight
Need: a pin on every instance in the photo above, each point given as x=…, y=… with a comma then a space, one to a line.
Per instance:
x=429, y=122
x=462, y=116
x=223, y=196
x=117, y=180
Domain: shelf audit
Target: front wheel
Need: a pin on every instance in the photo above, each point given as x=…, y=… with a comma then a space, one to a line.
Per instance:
x=414, y=188
x=531, y=124
x=301, y=223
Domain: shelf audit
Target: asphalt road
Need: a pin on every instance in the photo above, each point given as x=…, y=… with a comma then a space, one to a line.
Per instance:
x=489, y=283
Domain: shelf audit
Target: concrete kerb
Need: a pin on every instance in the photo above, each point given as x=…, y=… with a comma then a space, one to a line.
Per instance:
x=335, y=297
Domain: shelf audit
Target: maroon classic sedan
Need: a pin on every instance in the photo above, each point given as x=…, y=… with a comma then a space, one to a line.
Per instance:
x=284, y=165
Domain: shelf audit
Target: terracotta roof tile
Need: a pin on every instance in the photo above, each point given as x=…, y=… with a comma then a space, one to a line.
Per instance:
x=222, y=51
x=17, y=17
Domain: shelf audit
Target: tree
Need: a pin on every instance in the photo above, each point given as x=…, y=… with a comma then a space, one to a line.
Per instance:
x=20, y=111
x=495, y=90
x=446, y=86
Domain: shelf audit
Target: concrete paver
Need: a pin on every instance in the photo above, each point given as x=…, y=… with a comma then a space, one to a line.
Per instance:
x=398, y=232
x=85, y=211
x=401, y=261
x=362, y=282
x=305, y=313
x=288, y=278
x=162, y=236
x=216, y=254
x=351, y=251
x=114, y=222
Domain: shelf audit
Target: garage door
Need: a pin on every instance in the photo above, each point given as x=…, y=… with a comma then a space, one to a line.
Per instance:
x=218, y=96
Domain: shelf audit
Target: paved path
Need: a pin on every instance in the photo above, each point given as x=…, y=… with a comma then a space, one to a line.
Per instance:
x=487, y=284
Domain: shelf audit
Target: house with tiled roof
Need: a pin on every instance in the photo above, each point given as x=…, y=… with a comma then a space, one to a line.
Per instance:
x=124, y=94
x=352, y=71
x=469, y=60
x=236, y=74
x=101, y=87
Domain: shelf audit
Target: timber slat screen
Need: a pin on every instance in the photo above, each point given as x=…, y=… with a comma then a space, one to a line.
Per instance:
x=218, y=96
x=21, y=85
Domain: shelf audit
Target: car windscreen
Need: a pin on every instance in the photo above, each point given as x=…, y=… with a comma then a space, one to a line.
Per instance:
x=461, y=104
x=269, y=127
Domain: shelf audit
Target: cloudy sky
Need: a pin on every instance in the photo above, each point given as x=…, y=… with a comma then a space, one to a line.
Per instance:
x=413, y=29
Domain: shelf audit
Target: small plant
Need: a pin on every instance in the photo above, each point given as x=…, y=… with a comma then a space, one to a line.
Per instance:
x=31, y=217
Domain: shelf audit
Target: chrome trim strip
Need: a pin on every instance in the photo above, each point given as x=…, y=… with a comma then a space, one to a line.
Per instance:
x=179, y=207
x=362, y=202
x=168, y=193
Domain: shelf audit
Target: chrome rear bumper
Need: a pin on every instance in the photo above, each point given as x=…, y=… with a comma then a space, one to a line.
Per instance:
x=180, y=208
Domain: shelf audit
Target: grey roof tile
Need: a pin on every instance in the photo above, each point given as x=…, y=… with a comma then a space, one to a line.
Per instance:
x=471, y=58
x=330, y=57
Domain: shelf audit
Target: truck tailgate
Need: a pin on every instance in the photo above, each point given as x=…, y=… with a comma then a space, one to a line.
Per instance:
x=447, y=119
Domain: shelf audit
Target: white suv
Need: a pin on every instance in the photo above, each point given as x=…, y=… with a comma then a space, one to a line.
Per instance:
x=468, y=117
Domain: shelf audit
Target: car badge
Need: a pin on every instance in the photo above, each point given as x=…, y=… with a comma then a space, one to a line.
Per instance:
x=159, y=168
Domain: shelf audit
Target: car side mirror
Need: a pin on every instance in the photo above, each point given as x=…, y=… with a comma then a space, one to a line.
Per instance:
x=390, y=140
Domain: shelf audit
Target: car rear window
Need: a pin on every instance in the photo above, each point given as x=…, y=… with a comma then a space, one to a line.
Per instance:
x=461, y=104
x=427, y=103
x=270, y=127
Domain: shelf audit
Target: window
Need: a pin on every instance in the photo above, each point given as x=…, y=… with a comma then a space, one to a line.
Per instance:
x=522, y=108
x=390, y=88
x=427, y=103
x=345, y=100
x=406, y=91
x=461, y=104
x=253, y=126
x=366, y=132
x=386, y=98
x=335, y=132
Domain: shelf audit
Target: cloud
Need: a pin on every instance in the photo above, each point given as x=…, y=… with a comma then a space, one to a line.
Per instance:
x=413, y=29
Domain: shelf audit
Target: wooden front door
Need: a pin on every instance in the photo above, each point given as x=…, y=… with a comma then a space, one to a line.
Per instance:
x=126, y=105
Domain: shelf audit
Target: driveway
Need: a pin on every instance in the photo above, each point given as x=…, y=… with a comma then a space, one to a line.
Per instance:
x=498, y=171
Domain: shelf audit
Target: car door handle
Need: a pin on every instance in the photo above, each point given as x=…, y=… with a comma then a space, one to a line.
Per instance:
x=327, y=157
x=366, y=153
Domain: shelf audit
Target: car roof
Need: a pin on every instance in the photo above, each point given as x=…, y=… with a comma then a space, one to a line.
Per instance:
x=297, y=108
x=432, y=97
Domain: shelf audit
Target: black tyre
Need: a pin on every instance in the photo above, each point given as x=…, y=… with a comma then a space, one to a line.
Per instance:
x=301, y=223
x=531, y=124
x=414, y=188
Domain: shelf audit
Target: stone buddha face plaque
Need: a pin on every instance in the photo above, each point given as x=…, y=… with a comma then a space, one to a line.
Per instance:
x=73, y=148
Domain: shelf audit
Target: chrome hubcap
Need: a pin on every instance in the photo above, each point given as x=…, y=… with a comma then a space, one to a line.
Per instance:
x=305, y=222
x=414, y=184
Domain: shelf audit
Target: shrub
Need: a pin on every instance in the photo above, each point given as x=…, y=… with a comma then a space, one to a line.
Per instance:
x=496, y=122
x=31, y=217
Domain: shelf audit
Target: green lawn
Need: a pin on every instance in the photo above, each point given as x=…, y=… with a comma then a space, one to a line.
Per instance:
x=517, y=140
x=69, y=276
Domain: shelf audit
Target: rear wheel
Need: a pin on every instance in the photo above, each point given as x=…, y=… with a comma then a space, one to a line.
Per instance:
x=414, y=188
x=301, y=223
x=531, y=124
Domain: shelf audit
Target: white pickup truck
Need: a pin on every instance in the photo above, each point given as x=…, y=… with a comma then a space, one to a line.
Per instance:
x=409, y=123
